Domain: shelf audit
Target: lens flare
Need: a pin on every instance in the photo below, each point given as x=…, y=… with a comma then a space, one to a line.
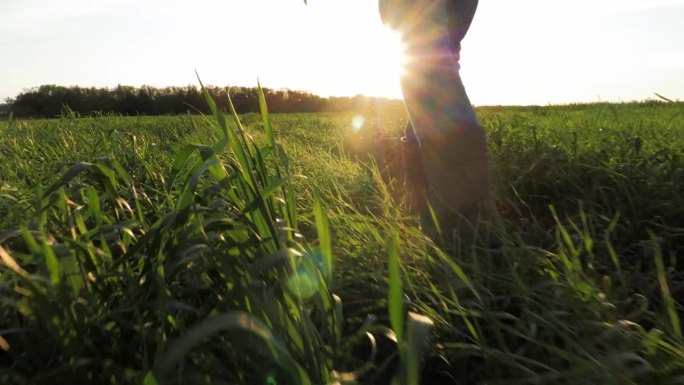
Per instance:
x=357, y=123
x=303, y=284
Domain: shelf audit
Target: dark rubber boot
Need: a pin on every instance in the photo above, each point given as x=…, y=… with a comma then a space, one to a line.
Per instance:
x=457, y=171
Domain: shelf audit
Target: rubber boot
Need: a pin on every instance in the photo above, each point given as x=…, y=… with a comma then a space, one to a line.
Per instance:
x=456, y=167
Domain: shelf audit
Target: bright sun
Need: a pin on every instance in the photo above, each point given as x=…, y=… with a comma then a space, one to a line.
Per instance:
x=354, y=53
x=383, y=55
x=393, y=50
x=330, y=48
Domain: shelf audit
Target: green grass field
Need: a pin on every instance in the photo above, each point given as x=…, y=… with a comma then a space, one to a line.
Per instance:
x=129, y=256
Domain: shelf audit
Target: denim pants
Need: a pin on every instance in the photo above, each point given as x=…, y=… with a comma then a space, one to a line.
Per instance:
x=434, y=94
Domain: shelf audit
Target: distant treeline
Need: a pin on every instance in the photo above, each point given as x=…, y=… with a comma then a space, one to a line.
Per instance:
x=52, y=100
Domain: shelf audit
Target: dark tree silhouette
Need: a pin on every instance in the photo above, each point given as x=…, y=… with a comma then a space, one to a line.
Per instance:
x=51, y=100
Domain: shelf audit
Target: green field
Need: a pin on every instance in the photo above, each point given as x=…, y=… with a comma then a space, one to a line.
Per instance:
x=130, y=257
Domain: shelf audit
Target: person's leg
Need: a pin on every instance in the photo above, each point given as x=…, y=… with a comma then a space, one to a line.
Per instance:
x=460, y=15
x=453, y=146
x=432, y=81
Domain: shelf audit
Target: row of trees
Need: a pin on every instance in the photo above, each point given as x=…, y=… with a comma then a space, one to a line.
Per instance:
x=51, y=100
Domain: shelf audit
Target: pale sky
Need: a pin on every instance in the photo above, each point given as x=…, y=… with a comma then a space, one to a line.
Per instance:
x=517, y=52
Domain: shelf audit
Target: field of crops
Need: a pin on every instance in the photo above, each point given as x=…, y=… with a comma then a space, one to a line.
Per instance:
x=188, y=250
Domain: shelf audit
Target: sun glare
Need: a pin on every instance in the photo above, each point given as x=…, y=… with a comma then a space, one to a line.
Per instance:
x=386, y=63
x=395, y=50
x=371, y=56
x=330, y=48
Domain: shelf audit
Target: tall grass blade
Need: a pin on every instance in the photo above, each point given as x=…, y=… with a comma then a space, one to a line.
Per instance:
x=94, y=204
x=220, y=117
x=52, y=264
x=181, y=159
x=268, y=129
x=670, y=303
x=324, y=237
x=395, y=298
